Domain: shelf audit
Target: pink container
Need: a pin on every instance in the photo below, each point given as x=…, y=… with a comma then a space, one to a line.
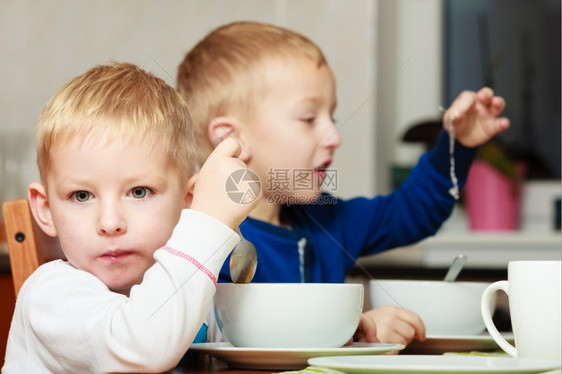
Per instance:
x=492, y=200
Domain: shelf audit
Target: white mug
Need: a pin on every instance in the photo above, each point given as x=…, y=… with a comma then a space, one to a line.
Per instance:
x=534, y=291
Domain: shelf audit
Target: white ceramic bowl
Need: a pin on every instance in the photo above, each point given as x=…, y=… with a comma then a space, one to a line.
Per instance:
x=446, y=308
x=288, y=315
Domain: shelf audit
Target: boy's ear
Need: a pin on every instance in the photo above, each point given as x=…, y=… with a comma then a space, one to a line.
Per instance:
x=222, y=127
x=41, y=209
x=189, y=195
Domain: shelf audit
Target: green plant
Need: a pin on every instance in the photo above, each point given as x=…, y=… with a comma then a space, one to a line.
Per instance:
x=496, y=155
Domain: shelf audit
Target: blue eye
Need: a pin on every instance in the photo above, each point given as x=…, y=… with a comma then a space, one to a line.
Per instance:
x=140, y=192
x=82, y=196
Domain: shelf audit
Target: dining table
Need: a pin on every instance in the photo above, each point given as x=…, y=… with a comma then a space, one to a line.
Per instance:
x=437, y=353
x=206, y=364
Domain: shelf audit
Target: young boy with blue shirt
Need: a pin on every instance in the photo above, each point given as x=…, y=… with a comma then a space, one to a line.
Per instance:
x=272, y=90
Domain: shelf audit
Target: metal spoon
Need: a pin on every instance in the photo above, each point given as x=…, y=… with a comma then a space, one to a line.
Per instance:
x=243, y=261
x=455, y=268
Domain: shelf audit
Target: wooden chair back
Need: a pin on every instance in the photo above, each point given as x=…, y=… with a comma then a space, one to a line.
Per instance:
x=28, y=245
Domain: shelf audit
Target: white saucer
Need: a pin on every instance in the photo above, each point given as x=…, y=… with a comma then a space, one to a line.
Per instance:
x=284, y=358
x=438, y=344
x=409, y=364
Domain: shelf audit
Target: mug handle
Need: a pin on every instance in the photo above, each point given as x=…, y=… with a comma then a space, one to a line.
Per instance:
x=485, y=303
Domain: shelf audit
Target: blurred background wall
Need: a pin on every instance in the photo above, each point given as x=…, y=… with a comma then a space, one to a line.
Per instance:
x=390, y=58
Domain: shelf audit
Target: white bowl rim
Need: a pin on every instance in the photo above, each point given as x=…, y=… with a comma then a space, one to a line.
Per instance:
x=429, y=282
x=300, y=285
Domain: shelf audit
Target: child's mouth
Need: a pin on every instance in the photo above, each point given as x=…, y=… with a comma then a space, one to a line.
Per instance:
x=116, y=255
x=321, y=170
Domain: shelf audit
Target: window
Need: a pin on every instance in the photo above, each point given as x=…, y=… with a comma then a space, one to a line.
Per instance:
x=514, y=47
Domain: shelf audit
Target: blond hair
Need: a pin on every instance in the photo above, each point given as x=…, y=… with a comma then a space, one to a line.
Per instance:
x=224, y=73
x=118, y=99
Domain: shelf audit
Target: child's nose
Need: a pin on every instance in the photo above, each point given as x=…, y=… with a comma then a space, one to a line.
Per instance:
x=111, y=221
x=332, y=138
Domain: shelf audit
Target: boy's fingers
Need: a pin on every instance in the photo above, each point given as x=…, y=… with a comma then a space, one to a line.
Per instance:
x=420, y=333
x=415, y=321
x=497, y=105
x=463, y=103
x=227, y=147
x=501, y=124
x=366, y=330
x=485, y=95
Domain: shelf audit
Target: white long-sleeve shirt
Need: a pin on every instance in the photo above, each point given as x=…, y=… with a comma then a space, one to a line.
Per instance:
x=67, y=321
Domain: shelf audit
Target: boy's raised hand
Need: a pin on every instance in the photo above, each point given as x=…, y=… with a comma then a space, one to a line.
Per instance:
x=209, y=186
x=475, y=117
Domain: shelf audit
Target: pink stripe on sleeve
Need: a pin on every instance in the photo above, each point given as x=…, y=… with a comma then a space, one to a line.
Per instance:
x=197, y=264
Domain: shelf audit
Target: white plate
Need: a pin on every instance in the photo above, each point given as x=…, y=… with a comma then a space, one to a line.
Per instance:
x=284, y=359
x=406, y=364
x=438, y=344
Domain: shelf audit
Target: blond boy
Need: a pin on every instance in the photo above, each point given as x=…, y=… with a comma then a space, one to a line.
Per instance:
x=272, y=90
x=115, y=155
